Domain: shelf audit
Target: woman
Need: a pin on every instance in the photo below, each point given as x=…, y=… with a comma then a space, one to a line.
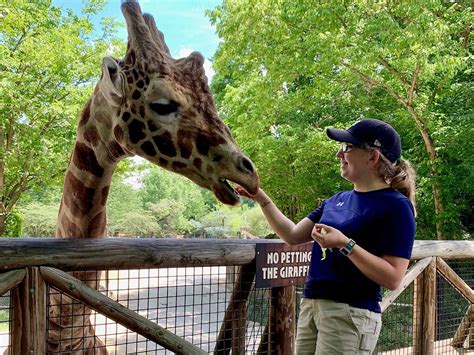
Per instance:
x=368, y=232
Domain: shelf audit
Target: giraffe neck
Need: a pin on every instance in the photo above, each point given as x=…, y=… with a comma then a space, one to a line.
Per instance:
x=82, y=213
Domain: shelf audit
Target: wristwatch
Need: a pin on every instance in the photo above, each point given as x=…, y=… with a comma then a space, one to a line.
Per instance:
x=347, y=250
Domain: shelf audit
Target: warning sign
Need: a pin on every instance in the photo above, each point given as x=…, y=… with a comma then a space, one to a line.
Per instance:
x=279, y=264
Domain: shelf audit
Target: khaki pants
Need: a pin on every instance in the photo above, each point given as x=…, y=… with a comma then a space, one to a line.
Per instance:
x=332, y=328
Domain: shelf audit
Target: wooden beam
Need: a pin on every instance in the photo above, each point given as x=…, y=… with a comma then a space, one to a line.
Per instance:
x=464, y=328
x=459, y=284
x=232, y=332
x=11, y=279
x=282, y=320
x=418, y=309
x=109, y=253
x=117, y=312
x=446, y=249
x=429, y=309
x=105, y=254
x=29, y=315
x=410, y=276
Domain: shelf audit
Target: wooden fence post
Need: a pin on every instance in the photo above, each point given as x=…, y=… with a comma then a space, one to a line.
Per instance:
x=29, y=315
x=429, y=309
x=282, y=320
x=418, y=313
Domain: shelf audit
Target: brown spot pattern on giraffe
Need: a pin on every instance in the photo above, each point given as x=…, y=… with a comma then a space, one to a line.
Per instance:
x=148, y=148
x=136, y=131
x=177, y=165
x=86, y=113
x=92, y=136
x=84, y=158
x=77, y=197
x=165, y=144
x=70, y=229
x=152, y=126
x=96, y=226
x=104, y=194
x=185, y=143
x=118, y=133
x=197, y=163
x=136, y=95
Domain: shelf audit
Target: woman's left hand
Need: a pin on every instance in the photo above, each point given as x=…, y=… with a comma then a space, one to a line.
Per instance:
x=328, y=237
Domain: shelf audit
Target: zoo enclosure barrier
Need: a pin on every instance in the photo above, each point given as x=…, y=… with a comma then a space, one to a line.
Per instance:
x=186, y=296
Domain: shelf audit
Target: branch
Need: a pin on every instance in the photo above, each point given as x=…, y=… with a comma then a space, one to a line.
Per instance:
x=375, y=82
x=393, y=70
x=411, y=91
x=466, y=35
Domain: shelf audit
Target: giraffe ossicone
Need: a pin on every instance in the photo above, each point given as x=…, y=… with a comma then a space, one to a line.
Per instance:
x=159, y=108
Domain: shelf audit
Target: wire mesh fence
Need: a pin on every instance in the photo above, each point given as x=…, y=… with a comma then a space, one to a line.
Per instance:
x=5, y=322
x=192, y=303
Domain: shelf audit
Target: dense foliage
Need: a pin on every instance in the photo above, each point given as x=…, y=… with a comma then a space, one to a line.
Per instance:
x=48, y=61
x=287, y=69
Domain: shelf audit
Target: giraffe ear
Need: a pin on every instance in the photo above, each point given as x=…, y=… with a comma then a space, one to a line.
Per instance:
x=112, y=82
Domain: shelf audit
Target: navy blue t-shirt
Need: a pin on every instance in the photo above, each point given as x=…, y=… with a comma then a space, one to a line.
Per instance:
x=381, y=221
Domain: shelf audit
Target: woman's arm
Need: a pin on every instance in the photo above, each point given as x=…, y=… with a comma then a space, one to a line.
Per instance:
x=285, y=228
x=387, y=271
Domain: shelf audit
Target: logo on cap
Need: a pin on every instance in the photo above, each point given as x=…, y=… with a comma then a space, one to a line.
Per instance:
x=377, y=143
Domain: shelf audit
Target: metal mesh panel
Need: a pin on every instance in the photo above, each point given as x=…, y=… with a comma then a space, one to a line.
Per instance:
x=5, y=322
x=399, y=318
x=190, y=302
x=396, y=336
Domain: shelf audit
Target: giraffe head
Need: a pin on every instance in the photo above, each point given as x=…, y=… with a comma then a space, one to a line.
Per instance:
x=163, y=111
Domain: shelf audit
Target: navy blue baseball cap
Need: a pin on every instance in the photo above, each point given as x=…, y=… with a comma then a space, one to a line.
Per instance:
x=373, y=133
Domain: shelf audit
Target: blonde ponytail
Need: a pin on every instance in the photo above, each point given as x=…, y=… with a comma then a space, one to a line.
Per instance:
x=400, y=176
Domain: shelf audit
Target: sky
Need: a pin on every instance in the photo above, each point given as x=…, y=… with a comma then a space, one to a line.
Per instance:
x=183, y=22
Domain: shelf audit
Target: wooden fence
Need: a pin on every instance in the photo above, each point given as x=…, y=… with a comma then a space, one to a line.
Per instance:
x=28, y=265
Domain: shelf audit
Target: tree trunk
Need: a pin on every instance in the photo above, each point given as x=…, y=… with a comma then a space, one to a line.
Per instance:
x=2, y=221
x=433, y=161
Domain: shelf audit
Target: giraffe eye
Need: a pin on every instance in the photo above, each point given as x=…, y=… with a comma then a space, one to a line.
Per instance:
x=164, y=109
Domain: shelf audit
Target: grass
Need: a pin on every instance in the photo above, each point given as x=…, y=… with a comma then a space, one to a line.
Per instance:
x=4, y=318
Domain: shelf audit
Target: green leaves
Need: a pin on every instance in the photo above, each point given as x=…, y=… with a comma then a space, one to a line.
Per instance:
x=298, y=67
x=49, y=61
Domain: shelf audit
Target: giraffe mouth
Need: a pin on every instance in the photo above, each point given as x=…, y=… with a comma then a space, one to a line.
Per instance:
x=225, y=193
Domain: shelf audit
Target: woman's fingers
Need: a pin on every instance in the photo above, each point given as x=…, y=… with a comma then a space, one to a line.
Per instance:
x=242, y=192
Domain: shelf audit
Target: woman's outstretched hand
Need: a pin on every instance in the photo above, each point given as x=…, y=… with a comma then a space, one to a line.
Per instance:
x=328, y=237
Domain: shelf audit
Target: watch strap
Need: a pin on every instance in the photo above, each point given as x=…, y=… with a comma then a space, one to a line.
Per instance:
x=347, y=249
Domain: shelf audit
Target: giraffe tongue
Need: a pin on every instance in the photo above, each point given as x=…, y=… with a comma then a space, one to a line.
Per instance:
x=225, y=193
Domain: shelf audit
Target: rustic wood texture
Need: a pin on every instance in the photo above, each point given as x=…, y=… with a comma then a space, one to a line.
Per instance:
x=418, y=284
x=118, y=312
x=410, y=276
x=11, y=279
x=455, y=280
x=232, y=333
x=103, y=254
x=446, y=249
x=283, y=320
x=429, y=308
x=465, y=327
x=29, y=315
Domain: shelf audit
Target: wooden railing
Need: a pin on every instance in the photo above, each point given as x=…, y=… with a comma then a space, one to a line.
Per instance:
x=29, y=264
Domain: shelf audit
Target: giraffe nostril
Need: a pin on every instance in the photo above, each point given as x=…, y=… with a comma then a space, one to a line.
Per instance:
x=247, y=164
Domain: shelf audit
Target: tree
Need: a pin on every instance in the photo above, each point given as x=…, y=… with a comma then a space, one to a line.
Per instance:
x=159, y=184
x=309, y=65
x=48, y=61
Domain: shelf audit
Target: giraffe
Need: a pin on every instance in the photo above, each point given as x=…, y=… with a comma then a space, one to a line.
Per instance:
x=153, y=106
